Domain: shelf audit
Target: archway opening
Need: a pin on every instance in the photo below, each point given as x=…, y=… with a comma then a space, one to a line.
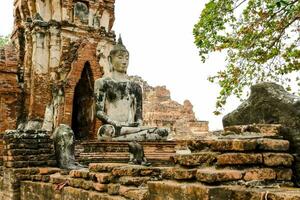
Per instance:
x=83, y=105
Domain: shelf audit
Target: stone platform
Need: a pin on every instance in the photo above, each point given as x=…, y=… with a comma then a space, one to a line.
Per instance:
x=118, y=181
x=235, y=165
x=158, y=153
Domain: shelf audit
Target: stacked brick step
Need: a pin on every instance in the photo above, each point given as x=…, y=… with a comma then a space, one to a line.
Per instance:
x=111, y=181
x=158, y=153
x=235, y=165
x=28, y=149
x=262, y=161
x=24, y=152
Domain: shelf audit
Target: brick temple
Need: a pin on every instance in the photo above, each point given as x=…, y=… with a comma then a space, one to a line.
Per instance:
x=52, y=60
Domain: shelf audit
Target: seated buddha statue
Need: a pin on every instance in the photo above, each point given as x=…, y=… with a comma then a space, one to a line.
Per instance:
x=119, y=103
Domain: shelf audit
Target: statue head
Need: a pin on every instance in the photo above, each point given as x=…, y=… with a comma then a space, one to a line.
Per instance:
x=119, y=57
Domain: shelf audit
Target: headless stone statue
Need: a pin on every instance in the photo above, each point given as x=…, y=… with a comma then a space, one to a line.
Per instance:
x=63, y=138
x=137, y=155
x=119, y=103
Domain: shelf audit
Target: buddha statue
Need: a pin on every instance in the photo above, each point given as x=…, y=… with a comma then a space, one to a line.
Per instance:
x=119, y=103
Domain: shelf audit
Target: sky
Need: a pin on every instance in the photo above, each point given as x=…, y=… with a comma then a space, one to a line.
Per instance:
x=158, y=35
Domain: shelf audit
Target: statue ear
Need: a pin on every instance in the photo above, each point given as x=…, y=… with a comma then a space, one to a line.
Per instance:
x=110, y=64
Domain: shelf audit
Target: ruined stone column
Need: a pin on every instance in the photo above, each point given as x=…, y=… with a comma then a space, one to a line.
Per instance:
x=40, y=89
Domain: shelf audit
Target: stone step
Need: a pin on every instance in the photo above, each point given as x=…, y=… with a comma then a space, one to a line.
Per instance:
x=212, y=175
x=260, y=175
x=236, y=143
x=132, y=193
x=185, y=190
x=135, y=170
x=135, y=181
x=196, y=159
x=38, y=190
x=263, y=129
x=267, y=159
x=104, y=167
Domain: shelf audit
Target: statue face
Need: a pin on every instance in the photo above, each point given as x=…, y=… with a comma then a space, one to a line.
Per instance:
x=120, y=61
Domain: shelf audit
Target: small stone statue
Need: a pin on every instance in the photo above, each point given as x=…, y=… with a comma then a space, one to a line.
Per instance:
x=119, y=103
x=63, y=138
x=136, y=154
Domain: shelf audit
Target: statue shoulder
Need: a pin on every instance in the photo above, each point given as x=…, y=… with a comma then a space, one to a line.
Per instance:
x=99, y=83
x=136, y=85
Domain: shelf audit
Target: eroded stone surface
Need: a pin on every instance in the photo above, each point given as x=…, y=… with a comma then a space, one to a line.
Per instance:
x=239, y=159
x=278, y=159
x=211, y=175
x=260, y=174
x=196, y=159
x=104, y=167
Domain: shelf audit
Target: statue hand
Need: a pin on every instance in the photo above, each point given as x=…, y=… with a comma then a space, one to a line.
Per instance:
x=120, y=124
x=134, y=124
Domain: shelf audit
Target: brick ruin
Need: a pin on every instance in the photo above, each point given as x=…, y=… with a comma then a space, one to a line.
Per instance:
x=161, y=111
x=47, y=74
x=235, y=164
x=52, y=59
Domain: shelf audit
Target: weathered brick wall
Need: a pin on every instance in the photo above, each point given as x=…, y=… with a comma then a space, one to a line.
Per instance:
x=28, y=149
x=48, y=55
x=25, y=152
x=10, y=89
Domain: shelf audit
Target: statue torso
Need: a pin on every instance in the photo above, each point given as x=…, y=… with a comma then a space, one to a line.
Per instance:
x=121, y=99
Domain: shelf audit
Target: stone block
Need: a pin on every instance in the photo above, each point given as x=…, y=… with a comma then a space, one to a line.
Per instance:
x=80, y=183
x=113, y=189
x=134, y=181
x=196, y=159
x=293, y=194
x=234, y=193
x=161, y=190
x=284, y=174
x=136, y=170
x=233, y=145
x=167, y=172
x=267, y=144
x=100, y=177
x=239, y=159
x=34, y=190
x=48, y=170
x=40, y=178
x=278, y=159
x=260, y=174
x=211, y=175
x=198, y=145
x=45, y=191
x=104, y=167
x=58, y=178
x=100, y=187
x=82, y=173
x=184, y=174
x=133, y=193
x=263, y=129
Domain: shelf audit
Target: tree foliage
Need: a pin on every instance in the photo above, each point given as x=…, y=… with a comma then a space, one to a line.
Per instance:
x=260, y=37
x=3, y=40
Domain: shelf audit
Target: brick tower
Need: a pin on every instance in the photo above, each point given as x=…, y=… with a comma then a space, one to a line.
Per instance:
x=51, y=65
